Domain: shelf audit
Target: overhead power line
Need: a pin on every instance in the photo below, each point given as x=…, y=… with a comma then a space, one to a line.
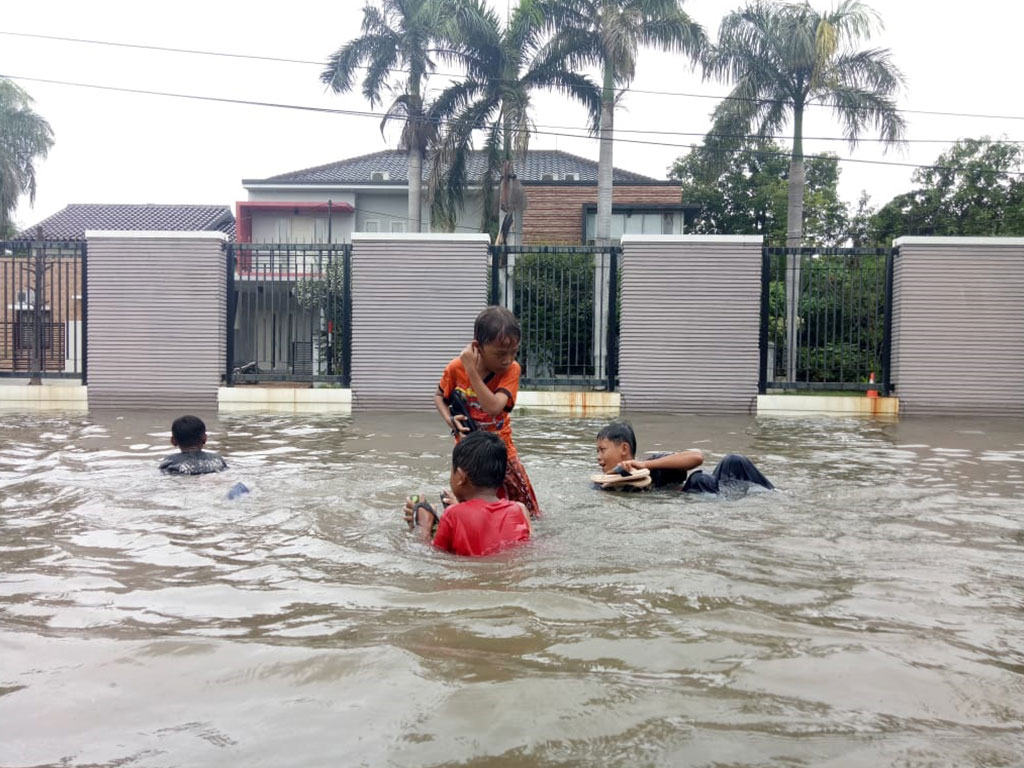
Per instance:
x=285, y=60
x=362, y=113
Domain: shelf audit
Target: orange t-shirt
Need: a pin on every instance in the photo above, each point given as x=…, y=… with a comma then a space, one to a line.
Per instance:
x=455, y=377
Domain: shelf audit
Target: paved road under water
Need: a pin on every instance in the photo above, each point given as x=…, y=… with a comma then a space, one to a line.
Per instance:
x=869, y=613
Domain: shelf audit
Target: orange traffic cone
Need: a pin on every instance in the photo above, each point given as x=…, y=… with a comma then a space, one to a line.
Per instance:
x=871, y=383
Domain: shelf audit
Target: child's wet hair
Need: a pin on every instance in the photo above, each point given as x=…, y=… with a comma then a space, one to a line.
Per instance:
x=619, y=432
x=188, y=431
x=495, y=324
x=483, y=457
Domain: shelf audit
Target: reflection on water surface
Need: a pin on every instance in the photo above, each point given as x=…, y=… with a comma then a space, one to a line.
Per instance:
x=869, y=613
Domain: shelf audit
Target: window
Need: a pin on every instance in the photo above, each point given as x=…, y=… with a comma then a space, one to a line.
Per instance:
x=547, y=177
x=379, y=176
x=371, y=225
x=398, y=226
x=570, y=177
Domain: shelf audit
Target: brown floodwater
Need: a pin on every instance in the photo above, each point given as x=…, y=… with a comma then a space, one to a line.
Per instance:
x=870, y=612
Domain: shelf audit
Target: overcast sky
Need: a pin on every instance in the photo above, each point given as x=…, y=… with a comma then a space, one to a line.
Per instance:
x=116, y=147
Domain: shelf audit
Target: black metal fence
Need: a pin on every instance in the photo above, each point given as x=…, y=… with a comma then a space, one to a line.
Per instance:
x=825, y=318
x=566, y=299
x=43, y=309
x=289, y=313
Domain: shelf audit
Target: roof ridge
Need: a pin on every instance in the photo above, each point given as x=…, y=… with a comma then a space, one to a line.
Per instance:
x=332, y=163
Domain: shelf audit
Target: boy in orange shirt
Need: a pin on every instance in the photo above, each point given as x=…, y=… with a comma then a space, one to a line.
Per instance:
x=483, y=383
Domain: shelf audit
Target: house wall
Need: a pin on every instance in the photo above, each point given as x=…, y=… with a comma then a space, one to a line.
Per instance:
x=690, y=322
x=384, y=208
x=958, y=325
x=301, y=196
x=302, y=228
x=554, y=214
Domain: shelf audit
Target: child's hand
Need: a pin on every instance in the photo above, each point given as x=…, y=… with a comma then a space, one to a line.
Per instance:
x=470, y=357
x=410, y=516
x=632, y=465
x=446, y=499
x=459, y=425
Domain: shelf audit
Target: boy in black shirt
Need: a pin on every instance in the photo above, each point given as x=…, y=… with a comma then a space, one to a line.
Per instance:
x=188, y=433
x=616, y=449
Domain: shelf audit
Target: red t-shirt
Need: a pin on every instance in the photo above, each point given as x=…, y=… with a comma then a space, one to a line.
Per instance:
x=455, y=377
x=477, y=527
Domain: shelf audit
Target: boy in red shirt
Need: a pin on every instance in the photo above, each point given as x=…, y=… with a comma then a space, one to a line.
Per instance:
x=483, y=382
x=481, y=523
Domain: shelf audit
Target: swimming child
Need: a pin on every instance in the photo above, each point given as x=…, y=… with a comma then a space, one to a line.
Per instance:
x=188, y=434
x=616, y=453
x=478, y=390
x=480, y=523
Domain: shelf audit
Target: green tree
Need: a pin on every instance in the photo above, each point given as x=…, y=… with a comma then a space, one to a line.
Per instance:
x=607, y=34
x=505, y=64
x=783, y=58
x=744, y=193
x=397, y=35
x=975, y=188
x=24, y=138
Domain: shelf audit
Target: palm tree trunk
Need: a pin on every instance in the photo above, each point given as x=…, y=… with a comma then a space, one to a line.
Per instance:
x=794, y=239
x=415, y=189
x=603, y=231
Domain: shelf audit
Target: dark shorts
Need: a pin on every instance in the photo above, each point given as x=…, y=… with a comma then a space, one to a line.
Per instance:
x=734, y=471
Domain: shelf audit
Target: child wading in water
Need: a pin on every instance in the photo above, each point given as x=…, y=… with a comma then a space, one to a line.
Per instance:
x=478, y=391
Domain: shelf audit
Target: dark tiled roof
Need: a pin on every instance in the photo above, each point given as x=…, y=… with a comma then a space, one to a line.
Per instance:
x=74, y=220
x=357, y=170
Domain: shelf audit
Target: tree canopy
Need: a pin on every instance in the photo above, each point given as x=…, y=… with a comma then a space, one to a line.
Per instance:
x=975, y=188
x=24, y=138
x=744, y=192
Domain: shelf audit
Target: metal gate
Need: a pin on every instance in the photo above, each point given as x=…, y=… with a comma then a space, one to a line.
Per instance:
x=826, y=319
x=567, y=302
x=289, y=313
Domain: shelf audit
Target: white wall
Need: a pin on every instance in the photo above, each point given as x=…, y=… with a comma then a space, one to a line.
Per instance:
x=273, y=227
x=301, y=196
x=386, y=209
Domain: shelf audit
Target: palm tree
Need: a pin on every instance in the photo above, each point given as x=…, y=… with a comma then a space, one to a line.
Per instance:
x=24, y=136
x=505, y=65
x=396, y=36
x=607, y=34
x=784, y=58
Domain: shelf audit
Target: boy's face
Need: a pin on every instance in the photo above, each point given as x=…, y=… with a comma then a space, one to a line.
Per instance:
x=498, y=355
x=610, y=454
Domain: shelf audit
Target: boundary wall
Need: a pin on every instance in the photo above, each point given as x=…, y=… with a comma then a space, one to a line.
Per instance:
x=690, y=323
x=958, y=325
x=414, y=300
x=156, y=331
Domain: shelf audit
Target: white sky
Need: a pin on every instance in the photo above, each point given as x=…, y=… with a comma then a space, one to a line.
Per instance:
x=130, y=148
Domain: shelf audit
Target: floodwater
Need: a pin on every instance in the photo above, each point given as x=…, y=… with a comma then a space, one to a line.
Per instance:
x=870, y=612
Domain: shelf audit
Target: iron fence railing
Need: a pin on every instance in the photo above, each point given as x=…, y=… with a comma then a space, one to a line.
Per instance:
x=289, y=313
x=43, y=303
x=839, y=334
x=566, y=299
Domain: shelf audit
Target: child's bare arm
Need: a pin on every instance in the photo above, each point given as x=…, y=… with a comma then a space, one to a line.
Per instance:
x=492, y=402
x=687, y=460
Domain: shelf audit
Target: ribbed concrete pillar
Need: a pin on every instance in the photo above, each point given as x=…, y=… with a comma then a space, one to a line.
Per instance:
x=958, y=325
x=414, y=300
x=690, y=322
x=156, y=319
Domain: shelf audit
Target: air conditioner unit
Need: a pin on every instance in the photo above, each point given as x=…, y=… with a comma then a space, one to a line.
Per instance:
x=379, y=176
x=570, y=177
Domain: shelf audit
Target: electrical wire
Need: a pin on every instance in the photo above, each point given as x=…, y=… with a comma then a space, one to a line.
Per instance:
x=281, y=59
x=364, y=113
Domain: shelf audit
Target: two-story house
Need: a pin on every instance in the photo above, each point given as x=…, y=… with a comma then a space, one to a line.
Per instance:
x=369, y=193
